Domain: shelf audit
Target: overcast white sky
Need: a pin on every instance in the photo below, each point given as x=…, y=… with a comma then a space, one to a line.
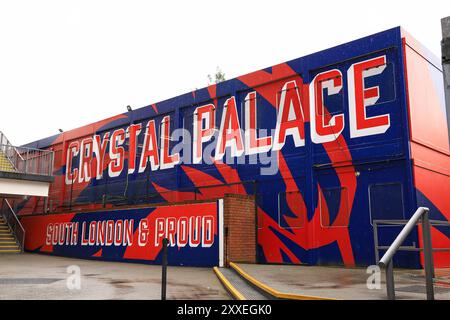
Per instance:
x=64, y=64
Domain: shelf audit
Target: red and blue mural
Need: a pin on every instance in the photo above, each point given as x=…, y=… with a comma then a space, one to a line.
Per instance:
x=327, y=143
x=133, y=235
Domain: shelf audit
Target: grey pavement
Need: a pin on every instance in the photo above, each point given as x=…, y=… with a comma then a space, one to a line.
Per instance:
x=346, y=283
x=35, y=276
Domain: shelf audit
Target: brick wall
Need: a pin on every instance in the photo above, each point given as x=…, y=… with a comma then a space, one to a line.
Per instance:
x=240, y=233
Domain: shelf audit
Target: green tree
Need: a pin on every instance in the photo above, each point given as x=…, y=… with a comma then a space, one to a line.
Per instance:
x=218, y=77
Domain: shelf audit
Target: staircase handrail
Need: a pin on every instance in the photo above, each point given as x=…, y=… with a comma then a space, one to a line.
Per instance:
x=421, y=213
x=14, y=223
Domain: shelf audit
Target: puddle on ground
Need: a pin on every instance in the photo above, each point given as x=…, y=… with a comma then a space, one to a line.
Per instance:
x=121, y=284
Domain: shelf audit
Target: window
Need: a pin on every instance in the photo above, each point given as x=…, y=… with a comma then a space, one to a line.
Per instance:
x=386, y=201
x=385, y=82
x=334, y=210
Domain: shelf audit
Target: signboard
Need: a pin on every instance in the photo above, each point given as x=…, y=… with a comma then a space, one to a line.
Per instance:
x=135, y=235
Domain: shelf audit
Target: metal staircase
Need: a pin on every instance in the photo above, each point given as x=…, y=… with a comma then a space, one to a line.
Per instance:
x=8, y=243
x=12, y=233
x=24, y=172
x=5, y=164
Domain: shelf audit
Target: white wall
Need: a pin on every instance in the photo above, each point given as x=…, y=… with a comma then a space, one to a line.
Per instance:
x=24, y=187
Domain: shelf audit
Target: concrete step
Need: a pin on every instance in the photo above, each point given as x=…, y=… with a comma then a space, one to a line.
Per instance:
x=240, y=286
x=8, y=243
x=10, y=238
x=8, y=246
x=5, y=251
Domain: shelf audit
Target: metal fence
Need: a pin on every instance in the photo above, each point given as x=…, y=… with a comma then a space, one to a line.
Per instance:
x=3, y=139
x=25, y=160
x=102, y=195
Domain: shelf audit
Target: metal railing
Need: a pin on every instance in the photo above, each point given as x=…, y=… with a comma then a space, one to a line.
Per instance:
x=4, y=139
x=25, y=160
x=413, y=248
x=386, y=261
x=105, y=196
x=13, y=222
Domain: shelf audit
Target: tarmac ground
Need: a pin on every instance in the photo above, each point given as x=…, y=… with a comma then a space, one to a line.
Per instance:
x=42, y=277
x=36, y=276
x=347, y=283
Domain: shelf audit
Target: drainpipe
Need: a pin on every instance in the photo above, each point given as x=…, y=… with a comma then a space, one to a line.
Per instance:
x=445, y=49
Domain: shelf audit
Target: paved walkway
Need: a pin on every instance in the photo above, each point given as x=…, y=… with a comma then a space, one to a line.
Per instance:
x=345, y=283
x=34, y=276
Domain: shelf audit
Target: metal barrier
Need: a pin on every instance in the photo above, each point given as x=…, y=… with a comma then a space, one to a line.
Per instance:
x=381, y=223
x=182, y=194
x=386, y=261
x=13, y=222
x=3, y=139
x=28, y=160
x=25, y=160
